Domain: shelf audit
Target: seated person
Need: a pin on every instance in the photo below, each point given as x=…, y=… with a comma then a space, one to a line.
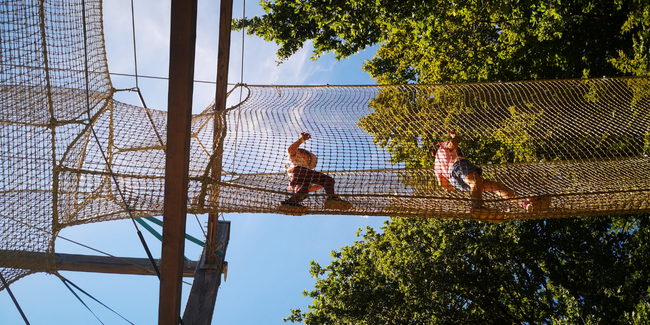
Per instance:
x=453, y=170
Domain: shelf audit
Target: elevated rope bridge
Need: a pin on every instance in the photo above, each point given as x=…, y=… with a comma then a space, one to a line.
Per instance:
x=581, y=143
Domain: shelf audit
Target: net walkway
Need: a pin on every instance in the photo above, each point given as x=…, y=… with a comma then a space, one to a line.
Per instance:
x=582, y=144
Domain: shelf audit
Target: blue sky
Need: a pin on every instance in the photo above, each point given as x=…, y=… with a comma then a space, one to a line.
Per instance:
x=268, y=255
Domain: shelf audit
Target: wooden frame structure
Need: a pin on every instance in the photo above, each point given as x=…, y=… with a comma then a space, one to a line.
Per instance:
x=182, y=46
x=88, y=263
x=181, y=77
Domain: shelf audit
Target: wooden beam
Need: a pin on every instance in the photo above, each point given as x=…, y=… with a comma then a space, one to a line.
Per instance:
x=203, y=295
x=182, y=44
x=86, y=263
x=223, y=61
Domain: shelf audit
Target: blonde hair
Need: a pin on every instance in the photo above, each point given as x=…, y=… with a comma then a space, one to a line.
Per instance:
x=313, y=160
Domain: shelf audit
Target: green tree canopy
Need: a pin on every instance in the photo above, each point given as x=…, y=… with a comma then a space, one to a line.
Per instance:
x=512, y=125
x=434, y=41
x=427, y=271
x=410, y=124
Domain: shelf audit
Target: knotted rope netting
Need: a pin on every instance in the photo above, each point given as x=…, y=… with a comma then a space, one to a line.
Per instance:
x=582, y=144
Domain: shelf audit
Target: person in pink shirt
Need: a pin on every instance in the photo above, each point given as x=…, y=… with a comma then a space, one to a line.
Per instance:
x=454, y=171
x=304, y=179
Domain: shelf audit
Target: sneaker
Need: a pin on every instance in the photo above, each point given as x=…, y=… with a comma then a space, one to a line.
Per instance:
x=536, y=204
x=479, y=209
x=290, y=204
x=528, y=204
x=292, y=208
x=484, y=213
x=336, y=203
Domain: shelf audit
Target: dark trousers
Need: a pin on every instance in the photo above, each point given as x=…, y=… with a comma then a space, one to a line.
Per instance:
x=301, y=180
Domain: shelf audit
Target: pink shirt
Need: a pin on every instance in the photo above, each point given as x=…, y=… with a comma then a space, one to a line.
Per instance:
x=445, y=158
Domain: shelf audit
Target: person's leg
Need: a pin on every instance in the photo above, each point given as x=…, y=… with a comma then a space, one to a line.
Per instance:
x=300, y=185
x=529, y=204
x=292, y=205
x=304, y=177
x=475, y=182
x=332, y=202
x=300, y=195
x=318, y=178
x=499, y=188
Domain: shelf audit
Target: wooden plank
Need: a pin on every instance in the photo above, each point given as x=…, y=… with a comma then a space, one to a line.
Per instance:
x=203, y=295
x=86, y=263
x=223, y=61
x=182, y=46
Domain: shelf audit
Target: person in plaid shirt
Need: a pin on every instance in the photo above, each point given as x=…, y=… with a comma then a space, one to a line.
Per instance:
x=304, y=179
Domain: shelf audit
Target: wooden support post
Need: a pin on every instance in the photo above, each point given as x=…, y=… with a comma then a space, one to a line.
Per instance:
x=223, y=60
x=182, y=46
x=85, y=263
x=203, y=296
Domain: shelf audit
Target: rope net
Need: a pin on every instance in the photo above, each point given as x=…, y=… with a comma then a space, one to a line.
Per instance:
x=580, y=144
x=70, y=154
x=43, y=111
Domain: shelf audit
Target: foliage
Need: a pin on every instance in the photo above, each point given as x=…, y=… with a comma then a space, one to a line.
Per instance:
x=410, y=122
x=436, y=41
x=427, y=271
x=400, y=115
x=637, y=25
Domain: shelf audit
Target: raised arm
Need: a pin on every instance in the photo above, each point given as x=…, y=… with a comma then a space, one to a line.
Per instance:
x=453, y=143
x=293, y=149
